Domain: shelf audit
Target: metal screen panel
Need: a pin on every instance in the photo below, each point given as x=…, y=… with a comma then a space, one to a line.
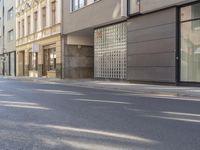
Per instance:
x=111, y=52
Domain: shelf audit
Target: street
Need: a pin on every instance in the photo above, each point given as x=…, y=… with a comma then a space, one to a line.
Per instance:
x=46, y=116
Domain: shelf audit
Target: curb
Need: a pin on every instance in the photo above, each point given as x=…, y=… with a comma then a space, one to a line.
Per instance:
x=82, y=83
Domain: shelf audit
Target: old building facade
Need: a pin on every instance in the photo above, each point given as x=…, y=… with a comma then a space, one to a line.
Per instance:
x=38, y=33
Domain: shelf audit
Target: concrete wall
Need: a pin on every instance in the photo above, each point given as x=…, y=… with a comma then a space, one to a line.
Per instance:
x=151, y=5
x=9, y=25
x=1, y=27
x=94, y=15
x=152, y=46
x=1, y=38
x=79, y=61
x=9, y=46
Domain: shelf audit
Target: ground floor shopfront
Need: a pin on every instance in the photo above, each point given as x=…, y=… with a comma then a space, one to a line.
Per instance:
x=40, y=58
x=8, y=63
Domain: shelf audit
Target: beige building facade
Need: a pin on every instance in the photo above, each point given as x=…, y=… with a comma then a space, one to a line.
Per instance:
x=38, y=43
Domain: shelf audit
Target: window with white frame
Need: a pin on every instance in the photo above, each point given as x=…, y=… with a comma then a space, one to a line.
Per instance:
x=77, y=4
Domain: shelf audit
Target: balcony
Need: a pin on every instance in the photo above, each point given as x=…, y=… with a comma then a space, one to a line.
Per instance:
x=44, y=33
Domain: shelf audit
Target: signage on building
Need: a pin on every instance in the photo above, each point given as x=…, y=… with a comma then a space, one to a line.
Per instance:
x=35, y=47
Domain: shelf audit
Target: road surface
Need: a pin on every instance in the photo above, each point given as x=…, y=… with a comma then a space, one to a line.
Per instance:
x=46, y=116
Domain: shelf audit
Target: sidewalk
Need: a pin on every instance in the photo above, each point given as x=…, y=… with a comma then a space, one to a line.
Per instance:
x=167, y=90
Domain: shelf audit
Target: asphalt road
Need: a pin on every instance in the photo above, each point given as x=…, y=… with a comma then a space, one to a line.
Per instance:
x=45, y=116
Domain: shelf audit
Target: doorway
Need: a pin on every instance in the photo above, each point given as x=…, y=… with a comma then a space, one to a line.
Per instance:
x=49, y=60
x=21, y=65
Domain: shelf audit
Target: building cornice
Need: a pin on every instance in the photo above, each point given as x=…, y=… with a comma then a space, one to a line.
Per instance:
x=26, y=6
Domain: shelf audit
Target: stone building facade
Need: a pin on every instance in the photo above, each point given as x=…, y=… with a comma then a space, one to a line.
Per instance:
x=38, y=33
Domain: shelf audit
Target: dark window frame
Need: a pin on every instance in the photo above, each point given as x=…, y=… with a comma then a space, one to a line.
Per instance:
x=178, y=45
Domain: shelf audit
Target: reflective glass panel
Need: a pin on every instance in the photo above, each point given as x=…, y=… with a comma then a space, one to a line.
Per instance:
x=190, y=51
x=190, y=12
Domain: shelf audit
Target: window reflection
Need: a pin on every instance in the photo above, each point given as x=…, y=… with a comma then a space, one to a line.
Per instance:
x=190, y=43
x=33, y=61
x=134, y=6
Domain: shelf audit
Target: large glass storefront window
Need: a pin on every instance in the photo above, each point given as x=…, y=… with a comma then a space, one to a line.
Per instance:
x=190, y=43
x=111, y=52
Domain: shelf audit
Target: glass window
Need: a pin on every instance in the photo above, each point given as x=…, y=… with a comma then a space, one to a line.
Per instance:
x=23, y=28
x=10, y=35
x=33, y=61
x=190, y=44
x=28, y=25
x=53, y=12
x=10, y=13
x=52, y=59
x=19, y=29
x=134, y=6
x=190, y=12
x=35, y=21
x=81, y=3
x=77, y=4
x=44, y=17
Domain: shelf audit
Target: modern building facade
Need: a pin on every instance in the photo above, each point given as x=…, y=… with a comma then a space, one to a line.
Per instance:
x=135, y=40
x=163, y=42
x=82, y=32
x=38, y=33
x=7, y=38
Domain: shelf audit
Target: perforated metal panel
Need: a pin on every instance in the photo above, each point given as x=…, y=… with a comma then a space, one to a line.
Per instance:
x=111, y=52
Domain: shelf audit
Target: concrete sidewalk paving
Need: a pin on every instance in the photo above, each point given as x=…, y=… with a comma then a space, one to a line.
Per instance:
x=168, y=90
